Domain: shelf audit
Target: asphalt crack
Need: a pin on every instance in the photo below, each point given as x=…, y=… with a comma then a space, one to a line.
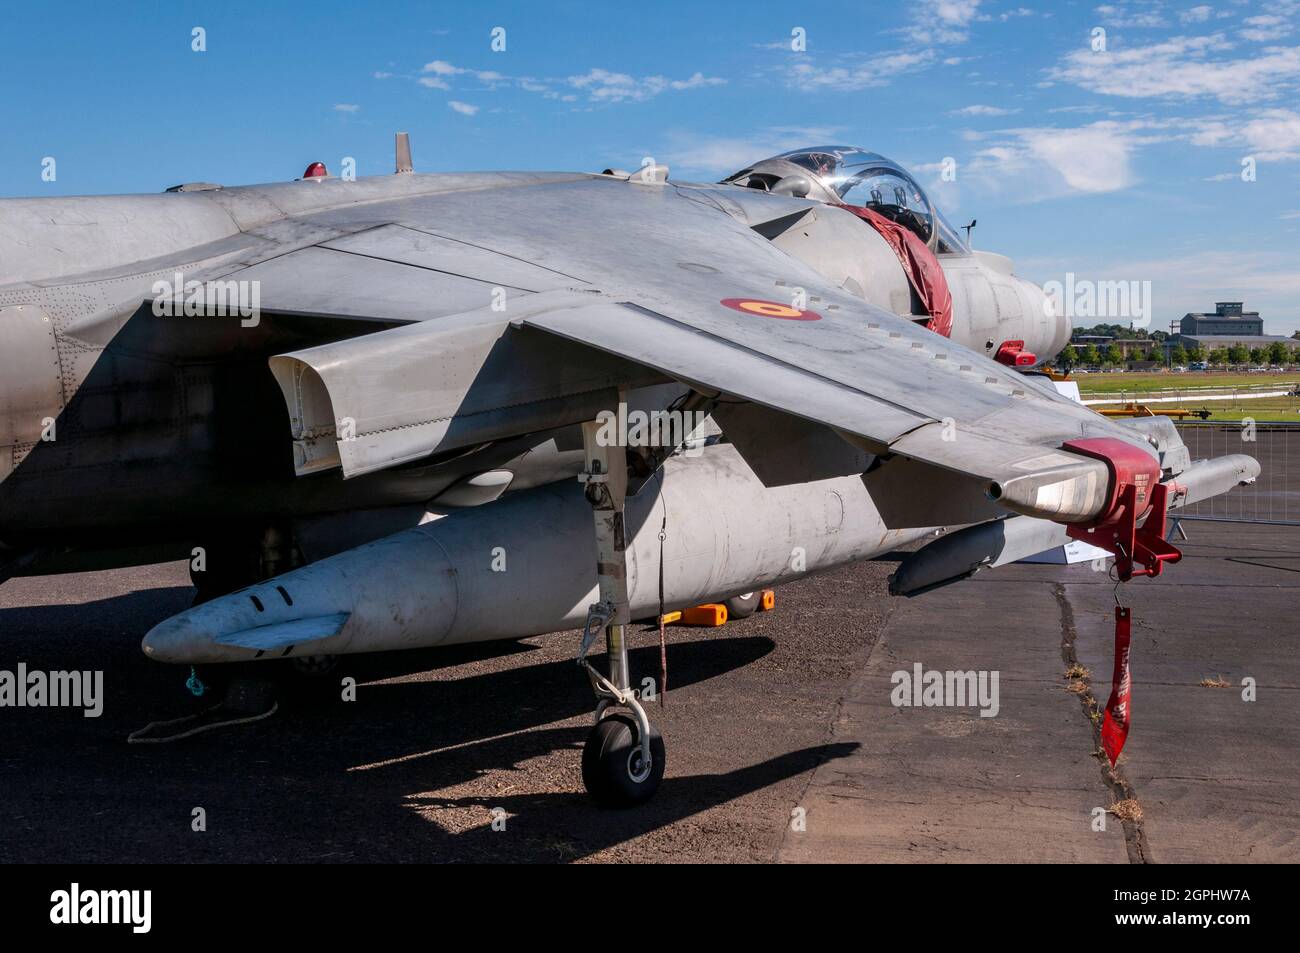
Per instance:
x=1121, y=789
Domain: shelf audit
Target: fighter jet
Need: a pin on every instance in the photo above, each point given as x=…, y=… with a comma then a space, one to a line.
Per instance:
x=418, y=410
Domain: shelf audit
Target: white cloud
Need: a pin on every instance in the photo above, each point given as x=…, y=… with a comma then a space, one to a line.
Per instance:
x=465, y=109
x=1182, y=67
x=441, y=68
x=1263, y=29
x=872, y=71
x=1199, y=14
x=347, y=108
x=695, y=81
x=980, y=110
x=1118, y=15
x=1092, y=159
x=1034, y=164
x=942, y=21
x=602, y=85
x=382, y=74
x=1272, y=135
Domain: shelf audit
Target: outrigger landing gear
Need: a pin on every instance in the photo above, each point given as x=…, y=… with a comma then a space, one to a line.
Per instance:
x=623, y=759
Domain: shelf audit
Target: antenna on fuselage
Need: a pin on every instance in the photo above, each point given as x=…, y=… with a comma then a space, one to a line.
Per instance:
x=968, y=228
x=404, y=153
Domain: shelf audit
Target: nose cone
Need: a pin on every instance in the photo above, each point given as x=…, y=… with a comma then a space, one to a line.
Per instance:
x=179, y=639
x=1047, y=332
x=1063, y=326
x=261, y=622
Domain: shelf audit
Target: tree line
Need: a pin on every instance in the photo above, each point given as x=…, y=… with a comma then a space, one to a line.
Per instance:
x=1276, y=353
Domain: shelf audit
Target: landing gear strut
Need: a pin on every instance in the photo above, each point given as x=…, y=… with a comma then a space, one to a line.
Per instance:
x=623, y=759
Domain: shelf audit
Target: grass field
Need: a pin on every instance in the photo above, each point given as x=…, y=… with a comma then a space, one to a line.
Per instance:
x=1104, y=384
x=1188, y=386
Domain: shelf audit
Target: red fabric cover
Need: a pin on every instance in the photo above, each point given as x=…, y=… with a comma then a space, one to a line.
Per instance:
x=1114, y=728
x=919, y=264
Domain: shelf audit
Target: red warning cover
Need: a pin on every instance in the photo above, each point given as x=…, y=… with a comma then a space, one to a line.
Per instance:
x=919, y=264
x=1114, y=730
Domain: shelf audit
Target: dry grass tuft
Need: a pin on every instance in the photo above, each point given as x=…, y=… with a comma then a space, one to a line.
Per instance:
x=1127, y=810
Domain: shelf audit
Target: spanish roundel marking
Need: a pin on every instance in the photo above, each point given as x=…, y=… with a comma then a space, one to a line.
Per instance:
x=769, y=309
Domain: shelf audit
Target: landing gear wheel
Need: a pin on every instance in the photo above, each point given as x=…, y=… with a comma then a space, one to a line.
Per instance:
x=612, y=767
x=742, y=607
x=312, y=680
x=313, y=666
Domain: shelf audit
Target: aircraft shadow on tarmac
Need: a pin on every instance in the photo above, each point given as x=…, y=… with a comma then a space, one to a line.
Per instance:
x=413, y=721
x=334, y=780
x=568, y=826
x=66, y=629
x=492, y=722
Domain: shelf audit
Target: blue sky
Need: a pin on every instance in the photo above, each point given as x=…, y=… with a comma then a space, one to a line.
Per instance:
x=1115, y=164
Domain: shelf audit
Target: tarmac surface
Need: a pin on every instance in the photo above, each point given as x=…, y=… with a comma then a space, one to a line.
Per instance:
x=783, y=741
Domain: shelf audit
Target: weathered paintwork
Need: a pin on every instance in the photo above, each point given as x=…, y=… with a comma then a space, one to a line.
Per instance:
x=416, y=331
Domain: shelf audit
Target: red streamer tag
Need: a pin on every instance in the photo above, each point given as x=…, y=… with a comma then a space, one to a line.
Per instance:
x=1114, y=730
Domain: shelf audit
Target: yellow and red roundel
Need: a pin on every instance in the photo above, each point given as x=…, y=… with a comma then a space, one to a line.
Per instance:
x=769, y=309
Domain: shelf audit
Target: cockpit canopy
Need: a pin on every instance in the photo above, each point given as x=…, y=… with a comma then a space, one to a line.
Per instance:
x=855, y=177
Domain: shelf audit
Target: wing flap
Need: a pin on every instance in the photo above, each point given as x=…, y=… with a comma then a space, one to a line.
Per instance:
x=712, y=363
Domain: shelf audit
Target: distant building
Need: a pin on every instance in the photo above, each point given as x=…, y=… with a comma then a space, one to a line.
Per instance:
x=1211, y=341
x=1229, y=326
x=1131, y=348
x=1084, y=340
x=1228, y=319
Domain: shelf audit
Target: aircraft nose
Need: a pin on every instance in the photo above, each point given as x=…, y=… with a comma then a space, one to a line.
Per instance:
x=1049, y=330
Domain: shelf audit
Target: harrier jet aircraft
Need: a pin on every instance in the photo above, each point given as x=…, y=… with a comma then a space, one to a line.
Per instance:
x=419, y=410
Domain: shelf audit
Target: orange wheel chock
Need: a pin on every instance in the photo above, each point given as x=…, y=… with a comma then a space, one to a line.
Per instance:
x=712, y=614
x=768, y=601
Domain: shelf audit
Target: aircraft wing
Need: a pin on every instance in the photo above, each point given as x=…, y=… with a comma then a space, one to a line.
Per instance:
x=678, y=281
x=983, y=423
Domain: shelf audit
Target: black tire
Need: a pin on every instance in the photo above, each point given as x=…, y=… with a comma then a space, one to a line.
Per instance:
x=742, y=607
x=612, y=756
x=310, y=680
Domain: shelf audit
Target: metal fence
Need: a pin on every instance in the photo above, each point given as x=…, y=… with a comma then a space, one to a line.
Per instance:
x=1275, y=496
